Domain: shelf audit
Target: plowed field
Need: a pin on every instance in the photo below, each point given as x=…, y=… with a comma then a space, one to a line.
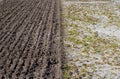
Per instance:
x=30, y=39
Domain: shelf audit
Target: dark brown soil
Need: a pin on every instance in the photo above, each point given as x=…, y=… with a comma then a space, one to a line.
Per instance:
x=30, y=39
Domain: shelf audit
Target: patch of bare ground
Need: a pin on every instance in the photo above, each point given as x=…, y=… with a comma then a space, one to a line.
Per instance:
x=30, y=39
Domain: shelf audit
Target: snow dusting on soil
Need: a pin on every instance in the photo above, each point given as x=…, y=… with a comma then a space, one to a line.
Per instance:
x=92, y=40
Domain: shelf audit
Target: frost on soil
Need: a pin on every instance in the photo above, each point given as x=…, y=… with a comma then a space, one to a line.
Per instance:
x=92, y=40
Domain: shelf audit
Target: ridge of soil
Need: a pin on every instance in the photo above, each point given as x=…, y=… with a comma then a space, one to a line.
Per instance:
x=30, y=39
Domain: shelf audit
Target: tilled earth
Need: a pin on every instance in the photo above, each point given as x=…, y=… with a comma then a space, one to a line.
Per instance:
x=30, y=39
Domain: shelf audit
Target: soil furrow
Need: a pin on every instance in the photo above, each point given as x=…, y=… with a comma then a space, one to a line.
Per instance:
x=30, y=40
x=12, y=47
x=52, y=54
x=9, y=18
x=6, y=30
x=20, y=22
x=22, y=29
x=12, y=7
